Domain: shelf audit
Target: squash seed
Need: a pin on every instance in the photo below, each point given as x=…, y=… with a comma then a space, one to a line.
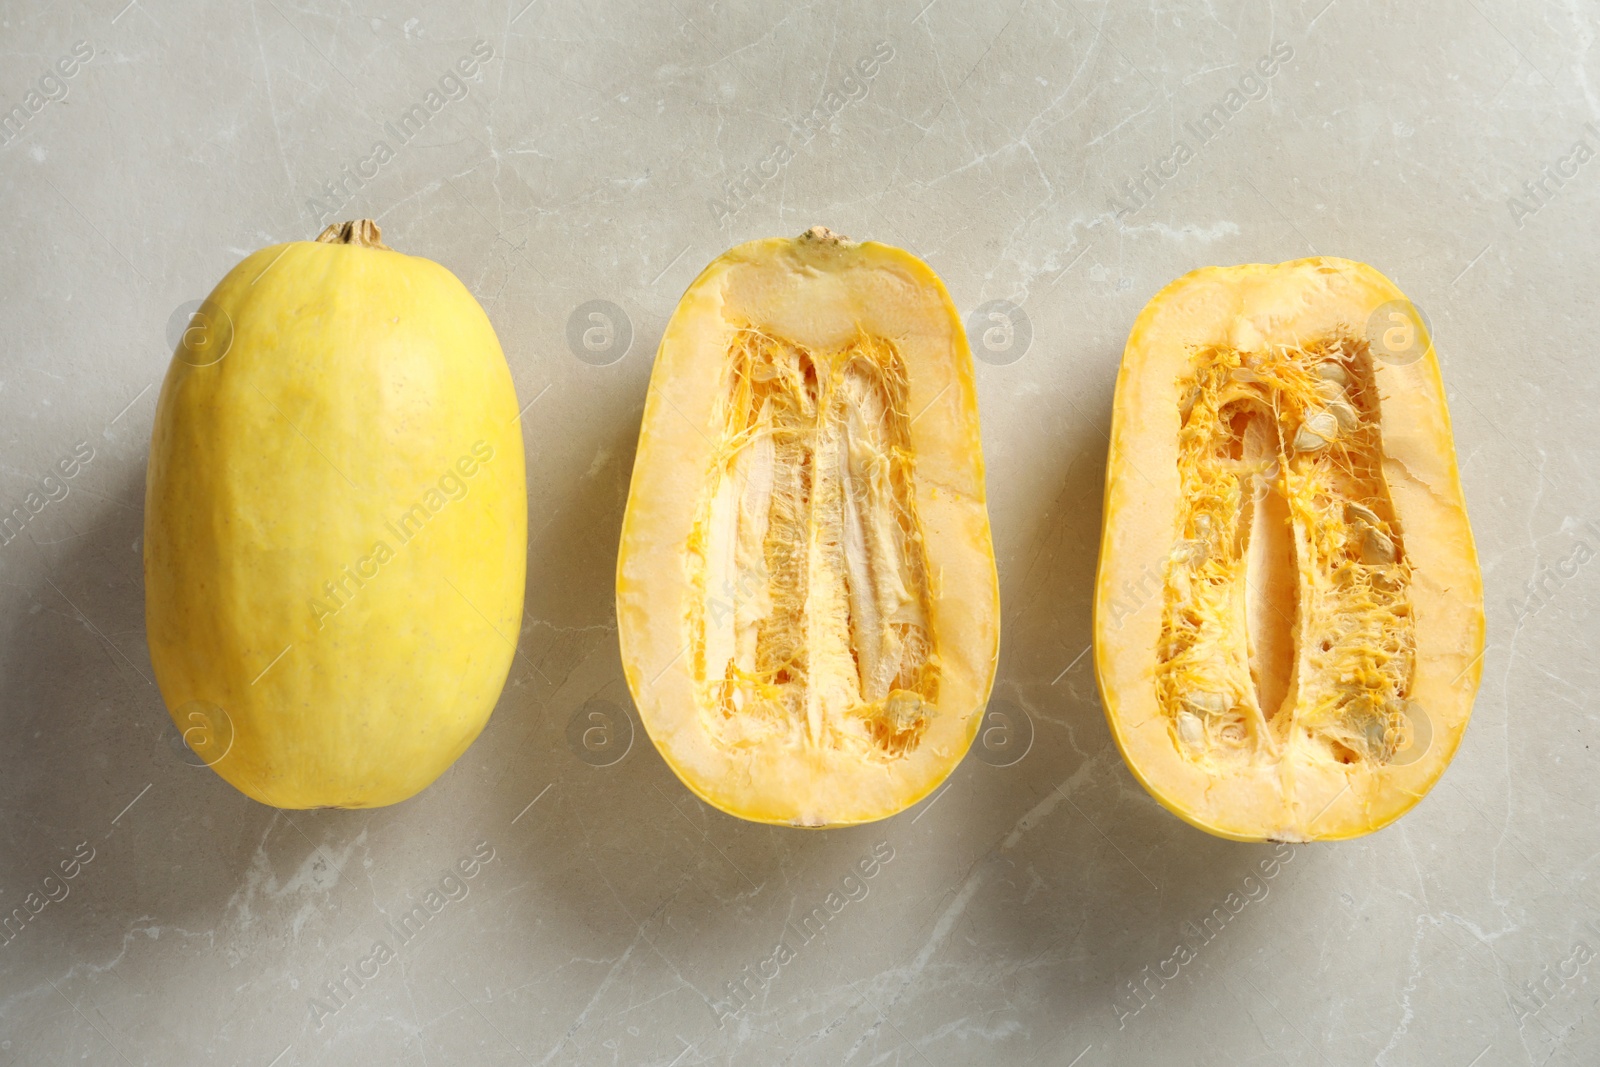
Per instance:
x=1354, y=512
x=1207, y=702
x=1190, y=731
x=1323, y=424
x=1376, y=548
x=1306, y=441
x=1345, y=414
x=1186, y=405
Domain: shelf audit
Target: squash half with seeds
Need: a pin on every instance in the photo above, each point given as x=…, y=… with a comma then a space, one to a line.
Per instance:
x=806, y=592
x=1288, y=611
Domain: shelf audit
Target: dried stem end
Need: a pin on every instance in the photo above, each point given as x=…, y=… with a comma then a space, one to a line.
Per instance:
x=823, y=235
x=363, y=232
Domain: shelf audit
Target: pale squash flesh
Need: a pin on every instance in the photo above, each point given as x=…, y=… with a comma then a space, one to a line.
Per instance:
x=806, y=591
x=335, y=524
x=1288, y=612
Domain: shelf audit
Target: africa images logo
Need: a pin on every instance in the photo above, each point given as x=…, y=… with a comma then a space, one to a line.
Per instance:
x=852, y=87
x=1140, y=190
x=754, y=978
x=398, y=931
x=1137, y=993
x=342, y=588
x=51, y=88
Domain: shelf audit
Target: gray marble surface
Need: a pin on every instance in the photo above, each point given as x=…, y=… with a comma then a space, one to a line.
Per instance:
x=606, y=152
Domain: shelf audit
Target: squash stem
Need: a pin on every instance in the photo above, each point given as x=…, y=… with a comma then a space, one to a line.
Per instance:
x=363, y=232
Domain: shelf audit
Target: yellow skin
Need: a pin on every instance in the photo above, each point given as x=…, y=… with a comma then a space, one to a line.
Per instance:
x=335, y=526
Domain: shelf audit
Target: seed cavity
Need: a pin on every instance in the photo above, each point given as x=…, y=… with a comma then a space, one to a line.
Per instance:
x=810, y=613
x=1286, y=615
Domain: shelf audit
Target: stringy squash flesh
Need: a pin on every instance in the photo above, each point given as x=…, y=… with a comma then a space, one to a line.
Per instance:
x=811, y=606
x=1289, y=623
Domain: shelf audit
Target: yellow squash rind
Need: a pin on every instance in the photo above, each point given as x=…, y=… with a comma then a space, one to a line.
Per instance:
x=335, y=525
